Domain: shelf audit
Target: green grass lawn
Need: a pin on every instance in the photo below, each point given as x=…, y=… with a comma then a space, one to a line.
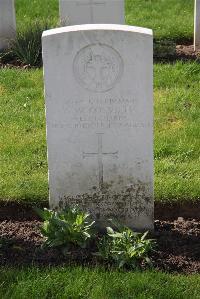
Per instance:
x=30, y=11
x=177, y=134
x=86, y=283
x=169, y=19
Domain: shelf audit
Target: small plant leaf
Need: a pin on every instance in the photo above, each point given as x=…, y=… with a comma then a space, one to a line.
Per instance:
x=144, y=235
x=110, y=230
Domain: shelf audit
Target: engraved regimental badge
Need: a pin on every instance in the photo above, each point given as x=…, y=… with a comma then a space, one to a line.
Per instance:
x=98, y=67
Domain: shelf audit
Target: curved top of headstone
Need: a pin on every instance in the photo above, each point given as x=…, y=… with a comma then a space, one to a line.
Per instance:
x=90, y=27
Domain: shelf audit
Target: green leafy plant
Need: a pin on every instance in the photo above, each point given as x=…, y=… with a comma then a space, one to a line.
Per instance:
x=67, y=228
x=125, y=247
x=26, y=48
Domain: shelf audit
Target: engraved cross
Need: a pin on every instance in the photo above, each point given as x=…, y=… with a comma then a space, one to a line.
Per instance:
x=97, y=67
x=91, y=4
x=100, y=154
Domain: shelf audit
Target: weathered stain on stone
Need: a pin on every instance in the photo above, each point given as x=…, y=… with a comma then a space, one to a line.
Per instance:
x=134, y=202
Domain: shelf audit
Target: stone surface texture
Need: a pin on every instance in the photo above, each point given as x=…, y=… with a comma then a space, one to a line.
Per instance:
x=76, y=12
x=99, y=113
x=197, y=25
x=7, y=22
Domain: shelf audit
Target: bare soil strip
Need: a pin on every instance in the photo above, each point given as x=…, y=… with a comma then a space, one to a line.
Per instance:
x=178, y=246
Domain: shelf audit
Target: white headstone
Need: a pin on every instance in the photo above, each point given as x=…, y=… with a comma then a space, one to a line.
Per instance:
x=7, y=22
x=197, y=25
x=75, y=12
x=99, y=113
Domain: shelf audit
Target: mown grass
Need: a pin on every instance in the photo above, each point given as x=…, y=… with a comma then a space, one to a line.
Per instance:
x=177, y=134
x=36, y=10
x=86, y=283
x=170, y=19
x=23, y=145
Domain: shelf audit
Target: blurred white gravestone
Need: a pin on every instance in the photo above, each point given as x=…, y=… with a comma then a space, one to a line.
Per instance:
x=7, y=22
x=99, y=113
x=76, y=12
x=197, y=25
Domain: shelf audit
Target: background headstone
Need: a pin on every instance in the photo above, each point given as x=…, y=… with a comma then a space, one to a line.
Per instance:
x=75, y=12
x=196, y=24
x=7, y=22
x=99, y=112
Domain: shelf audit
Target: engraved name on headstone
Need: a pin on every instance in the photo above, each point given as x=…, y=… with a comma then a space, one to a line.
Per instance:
x=75, y=12
x=99, y=113
x=7, y=22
